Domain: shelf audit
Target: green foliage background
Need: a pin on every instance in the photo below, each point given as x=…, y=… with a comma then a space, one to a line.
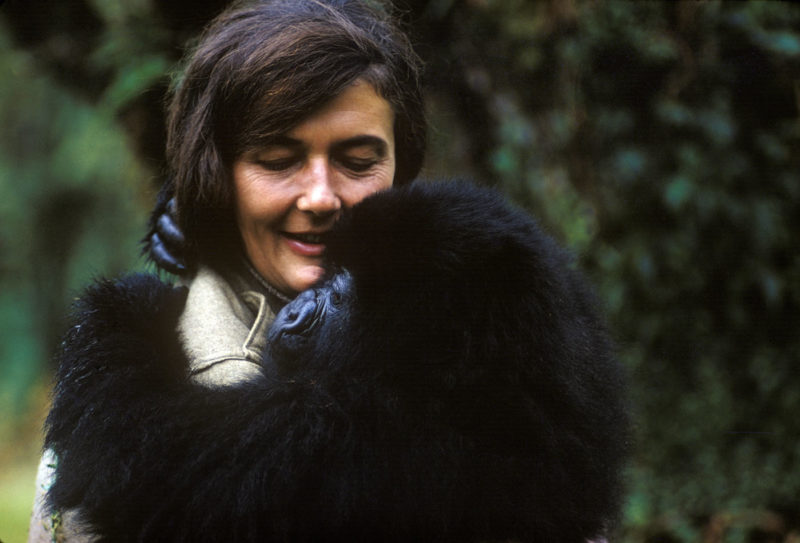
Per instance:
x=660, y=140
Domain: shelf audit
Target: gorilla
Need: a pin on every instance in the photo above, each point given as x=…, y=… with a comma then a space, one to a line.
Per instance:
x=450, y=379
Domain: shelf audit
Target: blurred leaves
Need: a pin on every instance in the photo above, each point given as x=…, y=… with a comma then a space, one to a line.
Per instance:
x=72, y=205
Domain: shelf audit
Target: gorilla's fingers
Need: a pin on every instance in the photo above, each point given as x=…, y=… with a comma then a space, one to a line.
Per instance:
x=165, y=258
x=167, y=227
x=166, y=242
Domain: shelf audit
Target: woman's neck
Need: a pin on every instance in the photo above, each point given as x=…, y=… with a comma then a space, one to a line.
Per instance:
x=275, y=296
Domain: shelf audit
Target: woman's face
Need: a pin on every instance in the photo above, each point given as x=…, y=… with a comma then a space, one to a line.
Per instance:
x=293, y=189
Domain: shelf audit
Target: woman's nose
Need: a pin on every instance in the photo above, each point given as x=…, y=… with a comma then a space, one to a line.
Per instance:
x=319, y=193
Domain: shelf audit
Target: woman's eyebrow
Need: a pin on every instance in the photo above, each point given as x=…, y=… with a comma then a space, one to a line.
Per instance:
x=282, y=141
x=379, y=145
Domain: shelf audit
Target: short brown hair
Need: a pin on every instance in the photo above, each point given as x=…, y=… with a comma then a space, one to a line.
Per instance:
x=260, y=69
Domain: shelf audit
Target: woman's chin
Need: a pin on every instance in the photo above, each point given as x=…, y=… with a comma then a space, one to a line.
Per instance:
x=306, y=277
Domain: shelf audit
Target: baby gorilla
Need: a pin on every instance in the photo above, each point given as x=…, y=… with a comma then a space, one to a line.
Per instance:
x=449, y=381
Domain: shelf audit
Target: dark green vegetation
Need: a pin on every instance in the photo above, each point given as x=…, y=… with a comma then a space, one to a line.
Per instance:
x=660, y=140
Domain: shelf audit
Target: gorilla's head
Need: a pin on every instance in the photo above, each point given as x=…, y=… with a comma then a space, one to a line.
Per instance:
x=448, y=287
x=452, y=319
x=438, y=271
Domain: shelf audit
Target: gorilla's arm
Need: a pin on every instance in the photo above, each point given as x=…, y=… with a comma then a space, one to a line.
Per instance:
x=147, y=455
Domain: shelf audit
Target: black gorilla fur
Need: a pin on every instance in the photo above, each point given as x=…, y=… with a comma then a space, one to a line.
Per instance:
x=457, y=385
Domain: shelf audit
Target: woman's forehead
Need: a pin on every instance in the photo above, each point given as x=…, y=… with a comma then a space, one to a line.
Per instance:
x=357, y=116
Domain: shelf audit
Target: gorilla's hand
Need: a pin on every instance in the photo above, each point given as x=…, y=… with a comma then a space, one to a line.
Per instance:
x=164, y=243
x=311, y=322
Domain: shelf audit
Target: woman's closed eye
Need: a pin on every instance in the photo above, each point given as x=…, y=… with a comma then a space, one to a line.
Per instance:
x=358, y=164
x=278, y=164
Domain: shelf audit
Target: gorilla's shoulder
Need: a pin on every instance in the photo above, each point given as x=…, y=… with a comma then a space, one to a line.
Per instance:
x=138, y=300
x=122, y=346
x=129, y=314
x=459, y=205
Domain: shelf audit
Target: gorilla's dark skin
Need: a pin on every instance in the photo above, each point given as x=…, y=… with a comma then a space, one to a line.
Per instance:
x=449, y=381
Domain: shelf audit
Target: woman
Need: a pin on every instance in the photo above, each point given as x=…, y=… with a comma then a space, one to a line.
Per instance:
x=287, y=113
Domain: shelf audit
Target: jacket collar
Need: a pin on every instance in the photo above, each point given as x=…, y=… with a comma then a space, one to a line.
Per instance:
x=223, y=327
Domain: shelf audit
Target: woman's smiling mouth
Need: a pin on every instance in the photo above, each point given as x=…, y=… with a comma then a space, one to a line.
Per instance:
x=304, y=237
x=305, y=244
